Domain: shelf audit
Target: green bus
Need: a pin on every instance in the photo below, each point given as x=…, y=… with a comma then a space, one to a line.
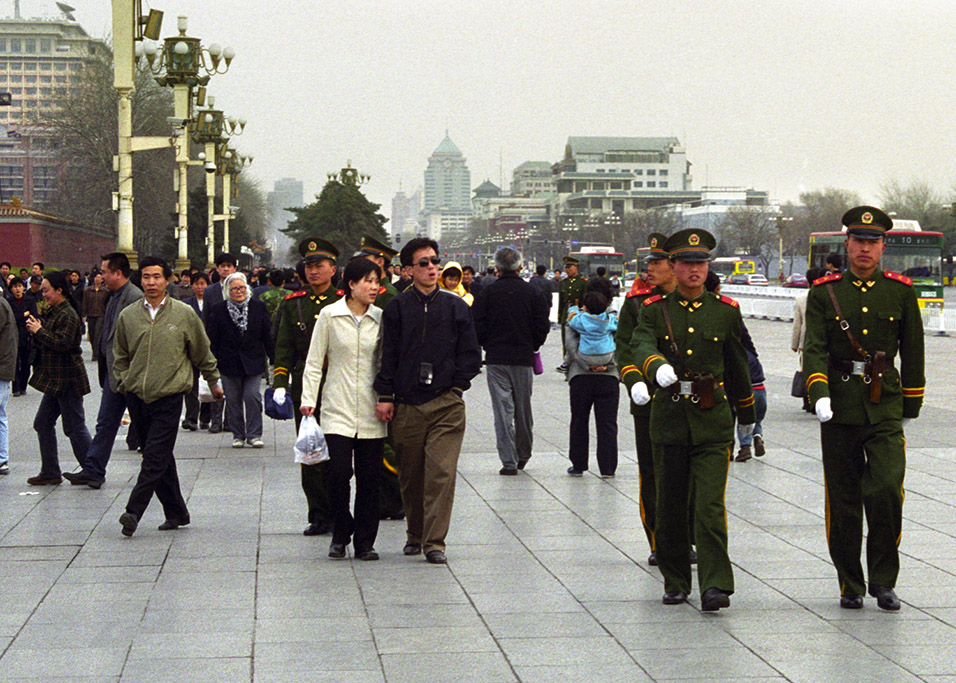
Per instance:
x=590, y=257
x=917, y=254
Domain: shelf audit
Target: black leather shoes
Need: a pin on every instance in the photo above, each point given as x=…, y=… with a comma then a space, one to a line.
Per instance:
x=367, y=555
x=337, y=550
x=851, y=601
x=885, y=597
x=575, y=472
x=674, y=597
x=713, y=599
x=508, y=472
x=436, y=557
x=521, y=464
x=412, y=549
x=652, y=559
x=76, y=478
x=129, y=522
x=319, y=529
x=171, y=523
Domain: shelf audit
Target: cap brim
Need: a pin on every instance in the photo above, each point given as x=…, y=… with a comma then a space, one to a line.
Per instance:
x=656, y=257
x=866, y=233
x=691, y=256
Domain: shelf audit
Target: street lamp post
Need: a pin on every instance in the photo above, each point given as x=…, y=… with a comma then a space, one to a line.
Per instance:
x=185, y=65
x=349, y=176
x=782, y=222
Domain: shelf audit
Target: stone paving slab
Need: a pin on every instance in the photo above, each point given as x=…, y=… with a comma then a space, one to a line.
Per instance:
x=547, y=577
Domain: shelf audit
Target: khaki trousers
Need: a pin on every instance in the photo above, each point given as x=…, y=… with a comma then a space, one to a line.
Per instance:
x=427, y=443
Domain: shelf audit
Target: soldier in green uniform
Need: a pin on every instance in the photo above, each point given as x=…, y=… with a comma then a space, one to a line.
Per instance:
x=858, y=322
x=276, y=293
x=570, y=291
x=660, y=281
x=297, y=316
x=390, y=501
x=688, y=341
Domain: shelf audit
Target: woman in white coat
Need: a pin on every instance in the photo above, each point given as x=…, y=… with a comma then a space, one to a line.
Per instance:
x=346, y=348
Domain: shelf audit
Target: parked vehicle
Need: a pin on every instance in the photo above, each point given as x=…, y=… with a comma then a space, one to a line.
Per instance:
x=748, y=279
x=796, y=280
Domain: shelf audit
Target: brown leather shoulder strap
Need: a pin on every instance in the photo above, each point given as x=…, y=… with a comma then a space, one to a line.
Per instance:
x=670, y=330
x=844, y=325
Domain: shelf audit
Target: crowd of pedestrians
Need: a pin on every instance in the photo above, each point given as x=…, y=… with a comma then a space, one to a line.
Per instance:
x=382, y=355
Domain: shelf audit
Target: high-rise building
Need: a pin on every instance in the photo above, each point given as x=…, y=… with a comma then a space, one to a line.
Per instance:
x=403, y=224
x=286, y=193
x=41, y=59
x=447, y=206
x=532, y=179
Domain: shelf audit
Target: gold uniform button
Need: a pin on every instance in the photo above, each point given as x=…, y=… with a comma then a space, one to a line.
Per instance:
x=316, y=316
x=690, y=352
x=690, y=329
x=891, y=318
x=716, y=339
x=865, y=331
x=866, y=310
x=862, y=289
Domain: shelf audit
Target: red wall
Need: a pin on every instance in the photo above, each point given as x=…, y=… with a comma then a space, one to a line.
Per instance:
x=23, y=242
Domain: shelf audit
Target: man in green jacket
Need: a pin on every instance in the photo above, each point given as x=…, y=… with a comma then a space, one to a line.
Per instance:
x=157, y=343
x=858, y=323
x=689, y=342
x=660, y=281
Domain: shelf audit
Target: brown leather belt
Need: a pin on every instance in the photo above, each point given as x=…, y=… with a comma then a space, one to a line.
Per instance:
x=871, y=370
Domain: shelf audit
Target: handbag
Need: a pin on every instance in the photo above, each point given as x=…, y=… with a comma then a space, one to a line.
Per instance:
x=275, y=410
x=538, y=364
x=797, y=387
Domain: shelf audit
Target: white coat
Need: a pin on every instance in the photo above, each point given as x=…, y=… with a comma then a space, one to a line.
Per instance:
x=354, y=352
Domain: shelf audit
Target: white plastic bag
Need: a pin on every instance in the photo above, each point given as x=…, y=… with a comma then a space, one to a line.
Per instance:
x=205, y=393
x=310, y=446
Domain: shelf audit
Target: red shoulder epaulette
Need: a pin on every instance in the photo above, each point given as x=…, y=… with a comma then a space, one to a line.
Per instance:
x=382, y=290
x=341, y=292
x=899, y=278
x=730, y=302
x=651, y=299
x=639, y=292
x=295, y=295
x=832, y=277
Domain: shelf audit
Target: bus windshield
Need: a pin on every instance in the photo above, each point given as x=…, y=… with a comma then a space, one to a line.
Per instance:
x=922, y=265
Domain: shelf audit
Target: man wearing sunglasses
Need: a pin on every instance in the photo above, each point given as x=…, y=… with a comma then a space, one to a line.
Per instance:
x=429, y=356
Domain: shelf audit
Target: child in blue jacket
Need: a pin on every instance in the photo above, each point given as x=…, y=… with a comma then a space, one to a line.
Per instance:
x=595, y=326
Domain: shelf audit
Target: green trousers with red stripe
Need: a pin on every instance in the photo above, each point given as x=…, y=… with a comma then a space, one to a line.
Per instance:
x=691, y=481
x=863, y=467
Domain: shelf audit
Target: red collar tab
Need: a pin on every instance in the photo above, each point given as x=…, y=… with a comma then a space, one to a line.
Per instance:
x=899, y=278
x=832, y=277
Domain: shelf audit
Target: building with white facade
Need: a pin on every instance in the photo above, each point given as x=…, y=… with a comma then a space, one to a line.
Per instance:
x=404, y=224
x=532, y=179
x=286, y=193
x=447, y=199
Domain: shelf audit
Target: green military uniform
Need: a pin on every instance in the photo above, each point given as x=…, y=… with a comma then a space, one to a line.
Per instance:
x=570, y=291
x=297, y=315
x=273, y=298
x=631, y=375
x=691, y=442
x=390, y=499
x=863, y=445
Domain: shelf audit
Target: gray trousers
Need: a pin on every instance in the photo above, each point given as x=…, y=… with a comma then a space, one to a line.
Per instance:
x=242, y=395
x=510, y=389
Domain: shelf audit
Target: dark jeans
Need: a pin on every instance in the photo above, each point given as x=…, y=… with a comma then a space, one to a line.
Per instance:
x=603, y=393
x=363, y=528
x=23, y=370
x=157, y=424
x=108, y=419
x=95, y=326
x=52, y=406
x=196, y=413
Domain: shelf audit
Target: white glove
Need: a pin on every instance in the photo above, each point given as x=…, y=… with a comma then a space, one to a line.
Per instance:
x=745, y=430
x=665, y=376
x=639, y=393
x=278, y=396
x=824, y=411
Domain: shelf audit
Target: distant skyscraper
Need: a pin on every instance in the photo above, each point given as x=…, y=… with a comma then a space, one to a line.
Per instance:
x=403, y=223
x=447, y=192
x=286, y=193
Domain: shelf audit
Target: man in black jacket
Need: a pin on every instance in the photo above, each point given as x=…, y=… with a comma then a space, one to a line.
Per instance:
x=511, y=321
x=429, y=356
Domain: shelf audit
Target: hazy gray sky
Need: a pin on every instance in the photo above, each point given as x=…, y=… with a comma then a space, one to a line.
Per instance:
x=775, y=95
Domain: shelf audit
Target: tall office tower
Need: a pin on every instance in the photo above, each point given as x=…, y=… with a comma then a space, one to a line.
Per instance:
x=286, y=193
x=447, y=207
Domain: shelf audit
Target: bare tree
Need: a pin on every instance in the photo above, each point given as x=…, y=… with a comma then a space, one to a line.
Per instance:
x=750, y=230
x=82, y=130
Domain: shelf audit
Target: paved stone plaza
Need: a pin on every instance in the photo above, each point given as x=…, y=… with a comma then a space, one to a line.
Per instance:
x=547, y=578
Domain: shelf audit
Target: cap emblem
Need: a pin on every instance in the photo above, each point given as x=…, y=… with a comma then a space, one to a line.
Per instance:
x=313, y=246
x=867, y=217
x=654, y=242
x=694, y=240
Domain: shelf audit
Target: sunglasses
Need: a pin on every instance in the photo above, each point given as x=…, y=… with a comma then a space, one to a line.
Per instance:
x=434, y=260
